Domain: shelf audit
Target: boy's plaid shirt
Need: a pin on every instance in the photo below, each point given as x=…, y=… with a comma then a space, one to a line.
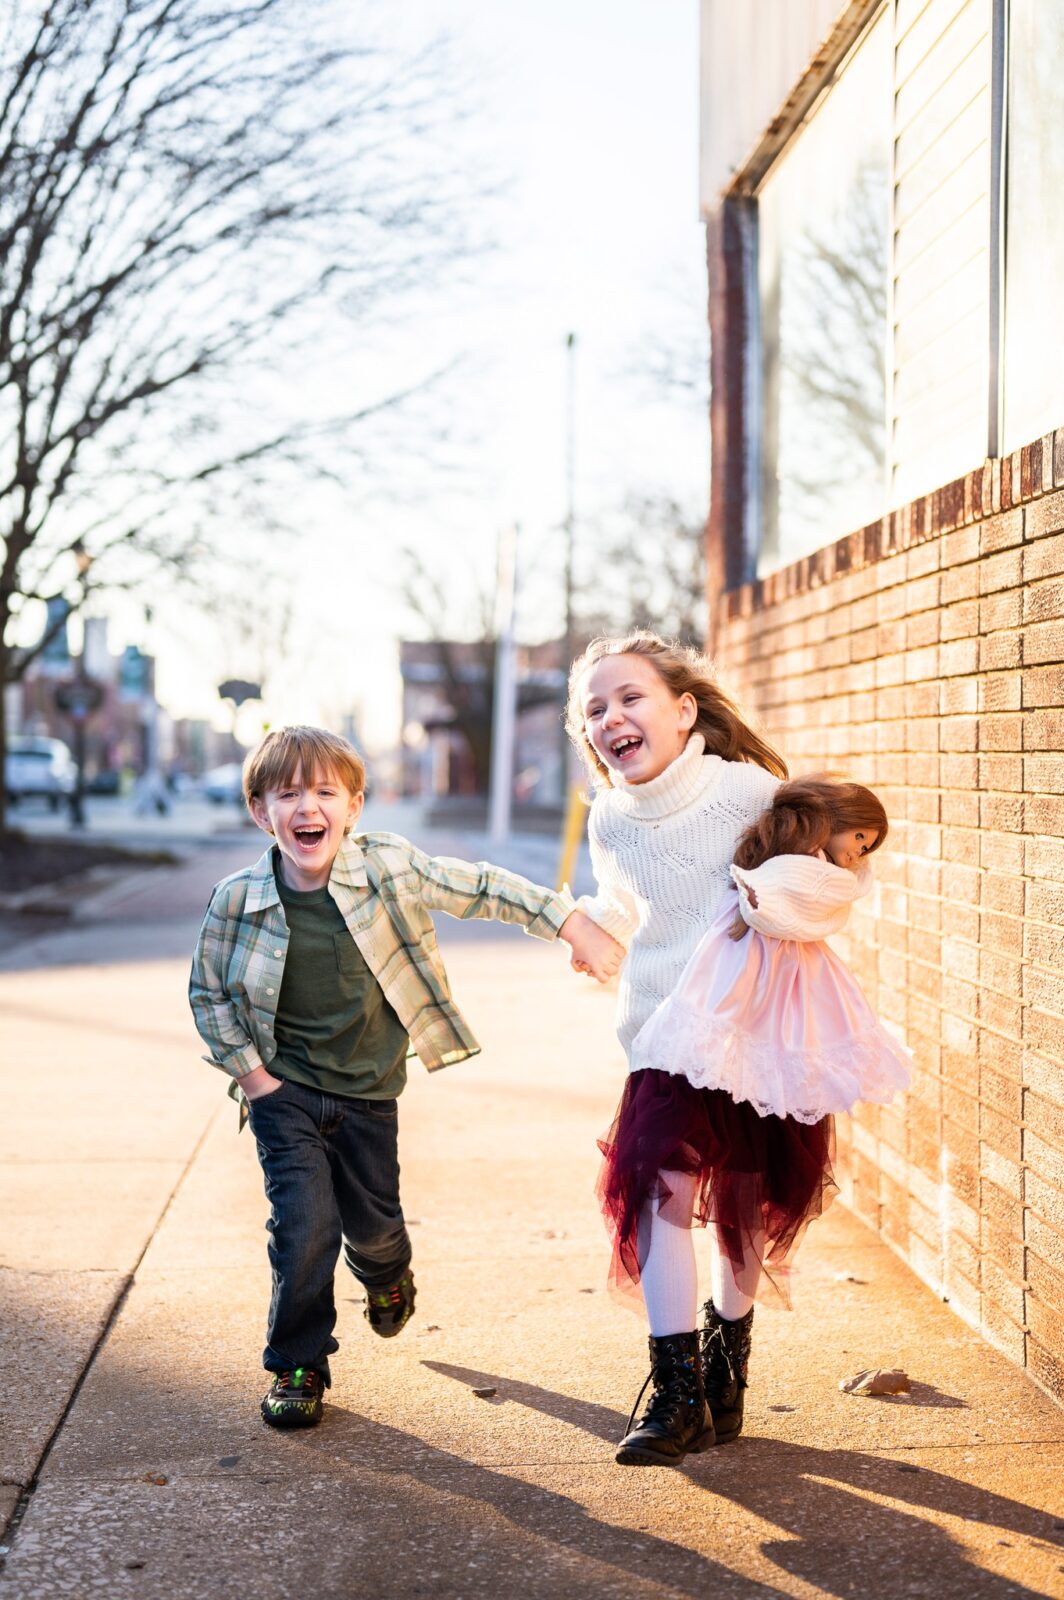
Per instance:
x=385, y=889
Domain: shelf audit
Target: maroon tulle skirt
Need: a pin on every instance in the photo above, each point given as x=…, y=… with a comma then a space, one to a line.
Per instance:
x=759, y=1180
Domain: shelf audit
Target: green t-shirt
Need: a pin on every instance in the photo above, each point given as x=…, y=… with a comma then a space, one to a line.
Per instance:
x=335, y=1030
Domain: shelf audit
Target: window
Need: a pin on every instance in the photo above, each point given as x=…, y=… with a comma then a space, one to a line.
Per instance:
x=1033, y=372
x=823, y=275
x=942, y=261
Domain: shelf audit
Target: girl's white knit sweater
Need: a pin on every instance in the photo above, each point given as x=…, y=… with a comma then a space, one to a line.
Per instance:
x=662, y=853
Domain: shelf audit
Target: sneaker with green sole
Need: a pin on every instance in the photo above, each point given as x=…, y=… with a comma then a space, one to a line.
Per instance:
x=294, y=1399
x=389, y=1310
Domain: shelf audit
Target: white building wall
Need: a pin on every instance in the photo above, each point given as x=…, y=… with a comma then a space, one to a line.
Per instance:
x=752, y=53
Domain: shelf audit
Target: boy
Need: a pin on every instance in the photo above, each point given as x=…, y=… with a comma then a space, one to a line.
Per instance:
x=316, y=973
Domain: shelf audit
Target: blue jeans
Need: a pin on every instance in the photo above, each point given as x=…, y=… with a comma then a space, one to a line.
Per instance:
x=331, y=1167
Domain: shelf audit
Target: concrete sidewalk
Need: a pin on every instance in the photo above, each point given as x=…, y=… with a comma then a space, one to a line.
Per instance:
x=134, y=1290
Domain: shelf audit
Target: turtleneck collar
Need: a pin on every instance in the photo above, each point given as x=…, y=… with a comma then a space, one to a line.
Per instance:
x=682, y=780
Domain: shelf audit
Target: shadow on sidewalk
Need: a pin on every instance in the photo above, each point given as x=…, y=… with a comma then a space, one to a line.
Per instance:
x=596, y=1558
x=801, y=1487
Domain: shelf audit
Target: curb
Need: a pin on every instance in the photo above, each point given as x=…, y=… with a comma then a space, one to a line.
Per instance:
x=124, y=883
x=78, y=894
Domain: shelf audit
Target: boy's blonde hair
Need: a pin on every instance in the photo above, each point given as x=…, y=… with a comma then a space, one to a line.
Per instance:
x=684, y=671
x=313, y=751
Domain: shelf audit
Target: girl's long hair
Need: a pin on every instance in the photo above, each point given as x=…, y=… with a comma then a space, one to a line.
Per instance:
x=803, y=816
x=725, y=728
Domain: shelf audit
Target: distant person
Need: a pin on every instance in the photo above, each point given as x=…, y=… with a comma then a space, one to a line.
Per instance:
x=151, y=793
x=316, y=973
x=721, y=1119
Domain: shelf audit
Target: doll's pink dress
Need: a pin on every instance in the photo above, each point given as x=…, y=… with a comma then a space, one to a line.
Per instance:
x=736, y=1077
x=776, y=1018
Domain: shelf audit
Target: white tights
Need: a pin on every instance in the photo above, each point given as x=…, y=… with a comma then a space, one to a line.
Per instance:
x=669, y=1276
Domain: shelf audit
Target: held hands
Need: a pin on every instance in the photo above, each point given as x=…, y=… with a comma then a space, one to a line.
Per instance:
x=594, y=950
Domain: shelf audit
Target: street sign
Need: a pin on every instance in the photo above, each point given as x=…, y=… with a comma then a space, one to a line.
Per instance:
x=134, y=674
x=79, y=697
x=237, y=690
x=57, y=651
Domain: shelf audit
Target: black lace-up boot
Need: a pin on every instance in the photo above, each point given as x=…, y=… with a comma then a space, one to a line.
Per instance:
x=725, y=1359
x=676, y=1422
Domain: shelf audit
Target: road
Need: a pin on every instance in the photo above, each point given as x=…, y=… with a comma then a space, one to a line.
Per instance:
x=134, y=1288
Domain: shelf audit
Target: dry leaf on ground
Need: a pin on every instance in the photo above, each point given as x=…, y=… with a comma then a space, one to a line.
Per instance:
x=876, y=1380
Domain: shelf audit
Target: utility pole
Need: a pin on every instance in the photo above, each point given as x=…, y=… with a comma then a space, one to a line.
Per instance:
x=569, y=645
x=504, y=710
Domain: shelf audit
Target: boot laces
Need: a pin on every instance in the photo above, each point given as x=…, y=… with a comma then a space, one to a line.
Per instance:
x=299, y=1378
x=385, y=1299
x=669, y=1395
x=715, y=1348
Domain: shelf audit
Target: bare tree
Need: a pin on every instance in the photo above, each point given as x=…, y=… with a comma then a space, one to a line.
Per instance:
x=833, y=354
x=649, y=552
x=191, y=193
x=670, y=364
x=649, y=571
x=466, y=666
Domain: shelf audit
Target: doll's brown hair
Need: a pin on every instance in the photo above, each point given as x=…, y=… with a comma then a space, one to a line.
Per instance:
x=805, y=813
x=724, y=726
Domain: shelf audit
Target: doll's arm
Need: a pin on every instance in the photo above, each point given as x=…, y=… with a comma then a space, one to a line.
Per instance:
x=798, y=897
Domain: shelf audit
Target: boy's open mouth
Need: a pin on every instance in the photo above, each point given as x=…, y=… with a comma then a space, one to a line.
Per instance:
x=624, y=749
x=309, y=838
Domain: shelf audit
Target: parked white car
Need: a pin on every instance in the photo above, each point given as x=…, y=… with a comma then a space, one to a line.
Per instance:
x=225, y=785
x=39, y=768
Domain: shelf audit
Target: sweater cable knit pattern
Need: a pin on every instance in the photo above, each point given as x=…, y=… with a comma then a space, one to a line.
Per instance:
x=662, y=853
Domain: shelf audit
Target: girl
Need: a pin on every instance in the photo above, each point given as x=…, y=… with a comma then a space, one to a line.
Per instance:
x=680, y=775
x=728, y=1113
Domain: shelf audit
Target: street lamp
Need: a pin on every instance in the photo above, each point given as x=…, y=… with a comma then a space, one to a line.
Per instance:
x=570, y=546
x=504, y=700
x=80, y=698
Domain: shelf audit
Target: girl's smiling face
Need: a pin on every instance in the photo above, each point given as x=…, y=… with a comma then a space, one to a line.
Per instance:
x=634, y=723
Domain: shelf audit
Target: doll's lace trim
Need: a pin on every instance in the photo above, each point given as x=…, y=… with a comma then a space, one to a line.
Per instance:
x=803, y=1084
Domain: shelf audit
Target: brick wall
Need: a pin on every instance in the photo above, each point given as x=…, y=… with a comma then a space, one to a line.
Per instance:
x=924, y=656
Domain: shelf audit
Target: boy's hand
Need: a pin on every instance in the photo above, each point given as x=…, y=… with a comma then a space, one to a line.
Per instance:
x=594, y=950
x=258, y=1083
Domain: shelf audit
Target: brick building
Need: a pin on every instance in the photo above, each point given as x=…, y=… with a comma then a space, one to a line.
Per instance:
x=128, y=724
x=436, y=758
x=886, y=559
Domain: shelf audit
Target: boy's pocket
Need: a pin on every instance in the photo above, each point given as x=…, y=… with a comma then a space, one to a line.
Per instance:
x=384, y=1109
x=267, y=1129
x=271, y=1094
x=264, y=1099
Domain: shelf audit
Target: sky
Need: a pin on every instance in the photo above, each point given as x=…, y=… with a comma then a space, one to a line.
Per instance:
x=583, y=124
